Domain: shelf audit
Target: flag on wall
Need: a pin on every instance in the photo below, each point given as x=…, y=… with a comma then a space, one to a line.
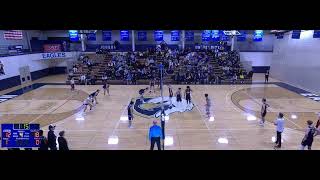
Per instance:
x=13, y=35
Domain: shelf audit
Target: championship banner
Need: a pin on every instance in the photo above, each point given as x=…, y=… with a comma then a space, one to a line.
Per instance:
x=175, y=35
x=124, y=35
x=52, y=47
x=158, y=35
x=189, y=35
x=142, y=35
x=106, y=35
x=257, y=35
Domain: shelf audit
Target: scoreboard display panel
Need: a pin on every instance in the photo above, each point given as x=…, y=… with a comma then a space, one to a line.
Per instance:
x=20, y=135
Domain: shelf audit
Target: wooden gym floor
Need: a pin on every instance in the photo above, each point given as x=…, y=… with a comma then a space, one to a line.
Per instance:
x=102, y=129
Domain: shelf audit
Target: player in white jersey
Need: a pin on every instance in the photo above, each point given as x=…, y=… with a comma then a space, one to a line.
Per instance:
x=87, y=102
x=72, y=84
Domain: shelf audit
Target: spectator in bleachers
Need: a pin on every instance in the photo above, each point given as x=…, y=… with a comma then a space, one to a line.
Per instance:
x=83, y=79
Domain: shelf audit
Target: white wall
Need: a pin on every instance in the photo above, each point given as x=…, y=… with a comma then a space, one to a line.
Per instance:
x=257, y=58
x=34, y=61
x=297, y=61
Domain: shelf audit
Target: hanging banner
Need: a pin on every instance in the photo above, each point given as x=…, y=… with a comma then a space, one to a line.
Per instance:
x=189, y=35
x=142, y=35
x=91, y=36
x=206, y=35
x=106, y=35
x=216, y=35
x=280, y=35
x=242, y=36
x=158, y=35
x=175, y=35
x=74, y=35
x=258, y=35
x=296, y=34
x=316, y=34
x=124, y=35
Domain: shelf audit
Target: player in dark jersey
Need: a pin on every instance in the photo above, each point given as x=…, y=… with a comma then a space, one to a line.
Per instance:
x=187, y=94
x=106, y=87
x=208, y=105
x=170, y=94
x=152, y=82
x=141, y=93
x=94, y=96
x=178, y=95
x=263, y=111
x=130, y=114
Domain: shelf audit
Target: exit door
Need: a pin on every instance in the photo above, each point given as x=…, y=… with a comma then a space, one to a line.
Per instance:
x=25, y=75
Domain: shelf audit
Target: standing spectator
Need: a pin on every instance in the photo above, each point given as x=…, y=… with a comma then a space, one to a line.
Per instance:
x=72, y=84
x=155, y=135
x=266, y=77
x=280, y=127
x=43, y=141
x=52, y=138
x=63, y=144
x=308, y=137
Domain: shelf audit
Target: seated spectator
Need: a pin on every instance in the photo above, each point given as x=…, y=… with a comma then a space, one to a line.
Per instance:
x=234, y=78
x=241, y=78
x=83, y=79
x=104, y=77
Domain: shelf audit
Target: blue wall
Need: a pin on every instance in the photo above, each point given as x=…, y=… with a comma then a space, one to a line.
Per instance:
x=15, y=81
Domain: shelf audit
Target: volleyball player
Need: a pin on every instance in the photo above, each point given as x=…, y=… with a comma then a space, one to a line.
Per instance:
x=170, y=94
x=208, y=105
x=263, y=111
x=72, y=84
x=141, y=93
x=87, y=102
x=94, y=96
x=106, y=87
x=130, y=114
x=152, y=82
x=187, y=94
x=178, y=95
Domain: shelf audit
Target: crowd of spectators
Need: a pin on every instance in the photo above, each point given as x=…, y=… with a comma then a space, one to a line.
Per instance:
x=181, y=66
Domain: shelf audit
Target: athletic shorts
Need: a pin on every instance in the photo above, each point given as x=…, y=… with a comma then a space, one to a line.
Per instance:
x=307, y=142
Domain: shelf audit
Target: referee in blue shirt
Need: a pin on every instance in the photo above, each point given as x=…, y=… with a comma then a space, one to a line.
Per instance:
x=155, y=135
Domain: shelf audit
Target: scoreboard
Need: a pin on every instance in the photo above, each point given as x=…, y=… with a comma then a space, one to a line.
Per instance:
x=20, y=135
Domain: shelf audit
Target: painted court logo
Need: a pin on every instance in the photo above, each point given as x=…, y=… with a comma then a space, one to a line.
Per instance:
x=151, y=107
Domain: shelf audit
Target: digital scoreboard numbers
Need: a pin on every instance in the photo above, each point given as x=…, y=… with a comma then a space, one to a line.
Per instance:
x=20, y=135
